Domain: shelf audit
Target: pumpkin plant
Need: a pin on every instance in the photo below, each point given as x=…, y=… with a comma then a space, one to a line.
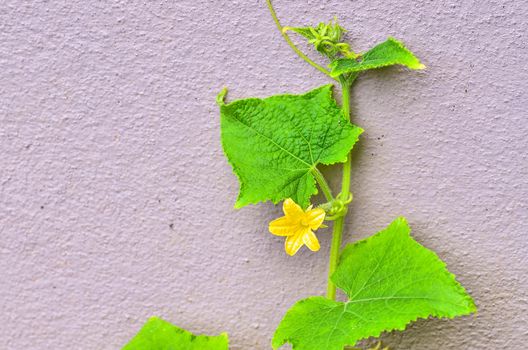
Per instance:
x=275, y=146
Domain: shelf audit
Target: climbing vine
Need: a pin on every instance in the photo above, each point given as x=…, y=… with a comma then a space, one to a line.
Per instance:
x=275, y=146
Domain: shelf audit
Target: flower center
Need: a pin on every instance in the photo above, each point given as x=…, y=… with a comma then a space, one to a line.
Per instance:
x=305, y=222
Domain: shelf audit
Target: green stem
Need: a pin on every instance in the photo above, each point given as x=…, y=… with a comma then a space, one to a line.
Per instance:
x=337, y=232
x=292, y=45
x=345, y=87
x=334, y=255
x=321, y=181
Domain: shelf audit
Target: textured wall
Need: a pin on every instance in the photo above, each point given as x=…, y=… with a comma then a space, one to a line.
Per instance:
x=116, y=202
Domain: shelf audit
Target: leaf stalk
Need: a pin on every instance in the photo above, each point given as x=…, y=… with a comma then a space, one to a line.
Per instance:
x=321, y=181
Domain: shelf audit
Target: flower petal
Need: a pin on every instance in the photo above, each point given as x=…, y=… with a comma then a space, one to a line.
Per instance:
x=283, y=227
x=315, y=217
x=292, y=210
x=293, y=244
x=311, y=241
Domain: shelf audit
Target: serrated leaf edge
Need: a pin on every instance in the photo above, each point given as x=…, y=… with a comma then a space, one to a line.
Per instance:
x=460, y=289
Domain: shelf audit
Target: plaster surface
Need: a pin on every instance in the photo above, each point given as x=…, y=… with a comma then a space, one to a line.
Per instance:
x=116, y=202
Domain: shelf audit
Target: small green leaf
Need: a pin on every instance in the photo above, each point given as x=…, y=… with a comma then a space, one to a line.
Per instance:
x=158, y=334
x=309, y=33
x=326, y=38
x=274, y=144
x=330, y=31
x=388, y=53
x=390, y=280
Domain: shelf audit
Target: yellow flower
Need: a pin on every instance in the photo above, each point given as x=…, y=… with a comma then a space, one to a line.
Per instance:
x=297, y=226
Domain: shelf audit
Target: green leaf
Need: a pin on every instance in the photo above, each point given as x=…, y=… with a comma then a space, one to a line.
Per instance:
x=158, y=334
x=390, y=280
x=274, y=144
x=388, y=53
x=309, y=33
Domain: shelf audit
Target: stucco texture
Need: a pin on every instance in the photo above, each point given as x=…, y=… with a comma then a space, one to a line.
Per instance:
x=116, y=201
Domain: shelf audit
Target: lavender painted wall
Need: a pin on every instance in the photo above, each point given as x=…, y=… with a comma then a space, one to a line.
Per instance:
x=116, y=200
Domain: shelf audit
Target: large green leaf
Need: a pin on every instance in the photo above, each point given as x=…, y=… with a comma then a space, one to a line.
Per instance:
x=390, y=280
x=388, y=53
x=274, y=144
x=158, y=334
